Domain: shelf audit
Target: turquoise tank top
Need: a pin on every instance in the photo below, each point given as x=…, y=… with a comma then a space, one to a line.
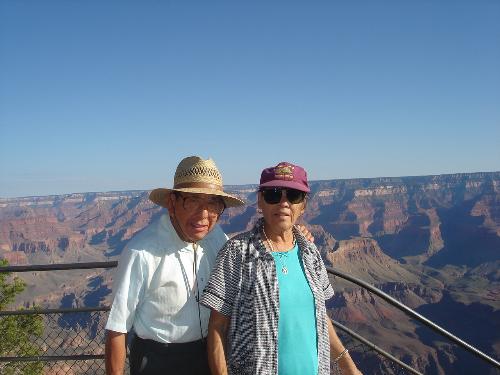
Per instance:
x=297, y=336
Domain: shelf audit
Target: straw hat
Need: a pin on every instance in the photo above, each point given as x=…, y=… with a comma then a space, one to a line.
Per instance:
x=195, y=175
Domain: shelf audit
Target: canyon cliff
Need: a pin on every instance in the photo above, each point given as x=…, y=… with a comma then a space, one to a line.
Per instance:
x=432, y=242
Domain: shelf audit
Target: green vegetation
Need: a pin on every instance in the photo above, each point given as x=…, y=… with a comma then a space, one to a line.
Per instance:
x=18, y=331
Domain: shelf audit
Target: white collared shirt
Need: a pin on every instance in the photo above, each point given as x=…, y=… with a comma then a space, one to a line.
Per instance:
x=154, y=287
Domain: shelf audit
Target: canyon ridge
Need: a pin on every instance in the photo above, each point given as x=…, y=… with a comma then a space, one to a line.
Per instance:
x=432, y=242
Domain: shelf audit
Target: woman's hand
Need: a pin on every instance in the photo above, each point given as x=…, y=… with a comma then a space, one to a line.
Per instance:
x=340, y=354
x=217, y=332
x=347, y=366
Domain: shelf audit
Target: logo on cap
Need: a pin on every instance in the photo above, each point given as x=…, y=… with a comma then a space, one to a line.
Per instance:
x=283, y=172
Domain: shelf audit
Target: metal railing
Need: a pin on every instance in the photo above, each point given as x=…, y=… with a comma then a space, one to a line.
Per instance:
x=73, y=338
x=54, y=357
x=71, y=342
x=60, y=266
x=415, y=315
x=375, y=348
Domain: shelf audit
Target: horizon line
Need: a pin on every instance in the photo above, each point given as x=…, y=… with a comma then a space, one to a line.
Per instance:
x=232, y=185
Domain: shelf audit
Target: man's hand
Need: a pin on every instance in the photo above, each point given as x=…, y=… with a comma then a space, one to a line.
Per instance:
x=116, y=352
x=305, y=232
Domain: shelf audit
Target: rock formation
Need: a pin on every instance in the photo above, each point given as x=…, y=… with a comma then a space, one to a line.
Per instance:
x=432, y=242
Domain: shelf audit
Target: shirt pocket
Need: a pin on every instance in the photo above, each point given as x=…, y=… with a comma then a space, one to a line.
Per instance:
x=169, y=297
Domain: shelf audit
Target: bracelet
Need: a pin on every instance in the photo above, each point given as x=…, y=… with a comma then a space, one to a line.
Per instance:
x=341, y=355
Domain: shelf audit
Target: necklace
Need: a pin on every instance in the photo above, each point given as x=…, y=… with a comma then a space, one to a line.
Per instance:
x=281, y=255
x=195, y=284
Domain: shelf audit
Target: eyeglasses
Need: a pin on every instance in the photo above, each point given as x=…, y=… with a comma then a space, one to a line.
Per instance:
x=273, y=195
x=215, y=206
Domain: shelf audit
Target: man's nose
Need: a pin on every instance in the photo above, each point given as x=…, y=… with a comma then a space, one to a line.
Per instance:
x=203, y=207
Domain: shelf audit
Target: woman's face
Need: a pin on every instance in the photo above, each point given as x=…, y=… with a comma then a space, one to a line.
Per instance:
x=283, y=215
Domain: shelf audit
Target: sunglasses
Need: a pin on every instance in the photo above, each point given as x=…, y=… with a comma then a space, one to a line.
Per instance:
x=273, y=195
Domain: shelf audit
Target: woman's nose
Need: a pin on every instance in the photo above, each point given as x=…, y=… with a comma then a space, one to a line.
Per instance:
x=284, y=198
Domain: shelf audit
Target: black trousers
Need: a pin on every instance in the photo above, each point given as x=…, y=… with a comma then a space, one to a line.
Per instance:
x=149, y=357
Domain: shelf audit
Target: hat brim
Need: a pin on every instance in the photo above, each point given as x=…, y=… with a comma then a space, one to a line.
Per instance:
x=285, y=184
x=159, y=196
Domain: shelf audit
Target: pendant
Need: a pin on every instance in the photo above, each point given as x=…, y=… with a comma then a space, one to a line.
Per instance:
x=284, y=270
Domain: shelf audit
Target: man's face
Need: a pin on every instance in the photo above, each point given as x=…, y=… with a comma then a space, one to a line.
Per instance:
x=194, y=215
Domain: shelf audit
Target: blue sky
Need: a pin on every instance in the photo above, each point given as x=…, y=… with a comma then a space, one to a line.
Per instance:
x=111, y=95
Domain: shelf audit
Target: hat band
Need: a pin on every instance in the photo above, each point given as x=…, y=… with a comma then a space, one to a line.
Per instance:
x=200, y=185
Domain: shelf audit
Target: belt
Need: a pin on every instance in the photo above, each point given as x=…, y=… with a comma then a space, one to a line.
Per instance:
x=163, y=346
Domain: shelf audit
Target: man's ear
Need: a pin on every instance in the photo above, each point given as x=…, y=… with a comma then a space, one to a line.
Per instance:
x=170, y=200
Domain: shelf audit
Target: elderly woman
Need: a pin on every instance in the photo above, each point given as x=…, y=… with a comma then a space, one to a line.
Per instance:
x=268, y=290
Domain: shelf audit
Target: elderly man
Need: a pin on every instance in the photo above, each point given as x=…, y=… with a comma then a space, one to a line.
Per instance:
x=162, y=272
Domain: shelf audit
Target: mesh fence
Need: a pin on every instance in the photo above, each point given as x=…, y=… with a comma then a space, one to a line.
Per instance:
x=76, y=339
x=69, y=336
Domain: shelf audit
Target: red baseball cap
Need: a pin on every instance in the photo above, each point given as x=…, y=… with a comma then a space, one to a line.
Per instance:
x=285, y=175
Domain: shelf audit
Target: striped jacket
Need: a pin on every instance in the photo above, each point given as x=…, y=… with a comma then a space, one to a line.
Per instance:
x=244, y=286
